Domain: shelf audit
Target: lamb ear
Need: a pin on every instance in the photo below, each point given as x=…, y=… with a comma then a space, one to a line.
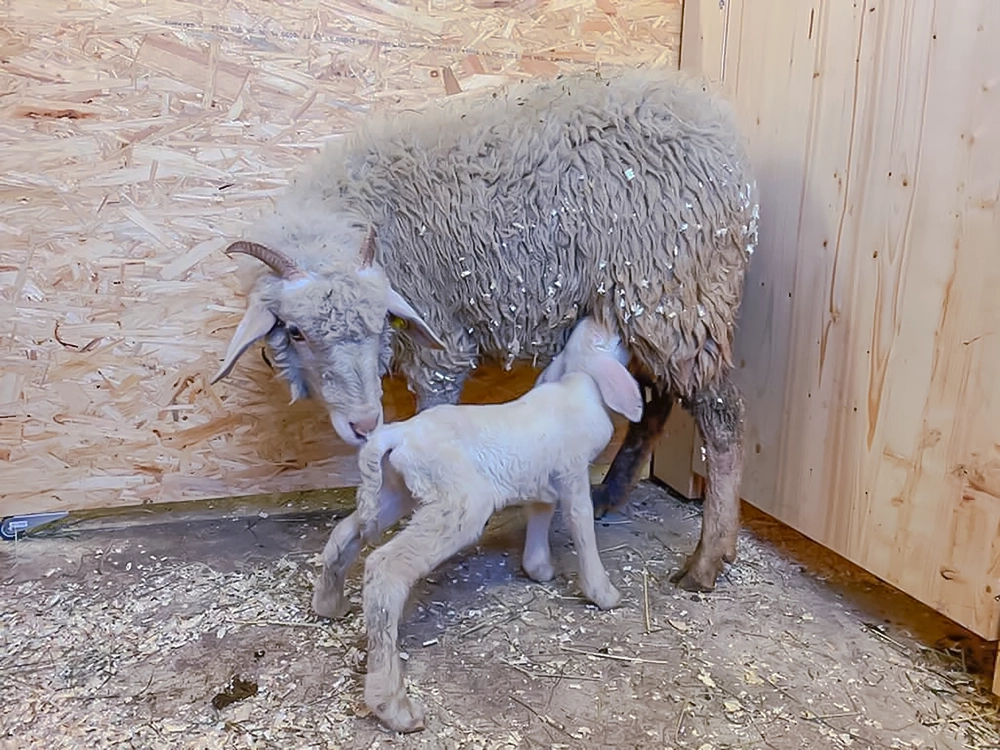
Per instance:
x=257, y=322
x=619, y=389
x=413, y=323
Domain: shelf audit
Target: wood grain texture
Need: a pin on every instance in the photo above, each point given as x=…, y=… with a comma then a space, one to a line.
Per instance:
x=671, y=461
x=138, y=138
x=703, y=36
x=867, y=346
x=996, y=676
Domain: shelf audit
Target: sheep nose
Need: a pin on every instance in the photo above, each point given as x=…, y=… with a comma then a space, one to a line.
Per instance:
x=363, y=427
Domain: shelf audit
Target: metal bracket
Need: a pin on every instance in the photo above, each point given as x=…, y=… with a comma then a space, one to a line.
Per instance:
x=13, y=527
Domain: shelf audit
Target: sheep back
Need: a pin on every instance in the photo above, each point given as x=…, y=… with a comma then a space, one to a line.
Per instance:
x=505, y=217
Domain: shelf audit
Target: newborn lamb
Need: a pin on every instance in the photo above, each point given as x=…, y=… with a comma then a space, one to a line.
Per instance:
x=453, y=467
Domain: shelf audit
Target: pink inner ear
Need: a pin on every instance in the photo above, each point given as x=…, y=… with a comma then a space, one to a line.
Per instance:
x=619, y=389
x=402, y=309
x=255, y=324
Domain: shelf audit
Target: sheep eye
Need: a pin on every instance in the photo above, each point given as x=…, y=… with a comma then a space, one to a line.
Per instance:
x=295, y=333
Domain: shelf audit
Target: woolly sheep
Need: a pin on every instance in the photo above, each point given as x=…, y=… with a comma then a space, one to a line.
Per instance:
x=455, y=466
x=483, y=229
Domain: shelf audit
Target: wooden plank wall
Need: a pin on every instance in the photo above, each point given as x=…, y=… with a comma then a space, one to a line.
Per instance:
x=138, y=138
x=869, y=342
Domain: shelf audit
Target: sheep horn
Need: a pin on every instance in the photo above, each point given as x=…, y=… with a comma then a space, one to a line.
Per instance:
x=281, y=263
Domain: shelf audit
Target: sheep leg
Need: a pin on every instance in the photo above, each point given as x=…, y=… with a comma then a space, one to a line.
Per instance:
x=537, y=558
x=594, y=580
x=434, y=385
x=437, y=530
x=633, y=454
x=343, y=548
x=719, y=413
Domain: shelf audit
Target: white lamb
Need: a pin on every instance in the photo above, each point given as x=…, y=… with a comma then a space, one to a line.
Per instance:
x=454, y=466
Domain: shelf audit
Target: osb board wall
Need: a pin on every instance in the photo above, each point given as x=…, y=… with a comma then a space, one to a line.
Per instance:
x=138, y=139
x=867, y=347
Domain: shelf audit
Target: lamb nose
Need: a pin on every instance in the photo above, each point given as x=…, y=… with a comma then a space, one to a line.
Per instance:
x=365, y=426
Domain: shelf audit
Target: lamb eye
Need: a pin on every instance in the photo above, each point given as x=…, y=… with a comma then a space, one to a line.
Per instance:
x=295, y=333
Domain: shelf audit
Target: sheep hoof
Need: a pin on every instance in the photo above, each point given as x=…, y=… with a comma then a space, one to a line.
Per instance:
x=698, y=574
x=603, y=500
x=607, y=598
x=331, y=604
x=400, y=714
x=542, y=572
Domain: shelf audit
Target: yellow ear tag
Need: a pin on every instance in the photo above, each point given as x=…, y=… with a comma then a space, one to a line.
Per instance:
x=398, y=323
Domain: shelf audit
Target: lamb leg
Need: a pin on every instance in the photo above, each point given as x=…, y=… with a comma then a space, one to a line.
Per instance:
x=537, y=558
x=594, y=579
x=438, y=529
x=344, y=546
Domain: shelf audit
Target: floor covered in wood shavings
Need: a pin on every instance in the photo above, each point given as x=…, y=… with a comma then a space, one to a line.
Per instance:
x=192, y=629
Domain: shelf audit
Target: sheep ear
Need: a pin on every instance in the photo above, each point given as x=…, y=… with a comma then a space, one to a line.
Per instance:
x=257, y=322
x=619, y=389
x=406, y=317
x=555, y=370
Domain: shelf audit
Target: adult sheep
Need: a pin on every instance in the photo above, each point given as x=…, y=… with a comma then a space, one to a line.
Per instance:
x=485, y=227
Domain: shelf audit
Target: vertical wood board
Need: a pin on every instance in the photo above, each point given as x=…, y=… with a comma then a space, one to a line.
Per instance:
x=867, y=346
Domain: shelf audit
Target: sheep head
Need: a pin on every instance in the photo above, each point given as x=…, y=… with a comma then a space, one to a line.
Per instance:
x=596, y=351
x=329, y=329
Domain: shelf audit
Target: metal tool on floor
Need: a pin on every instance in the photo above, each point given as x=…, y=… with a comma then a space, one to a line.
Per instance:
x=13, y=527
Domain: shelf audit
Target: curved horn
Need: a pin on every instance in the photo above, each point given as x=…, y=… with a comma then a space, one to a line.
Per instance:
x=281, y=263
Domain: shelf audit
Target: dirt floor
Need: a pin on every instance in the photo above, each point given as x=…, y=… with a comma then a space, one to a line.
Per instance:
x=192, y=629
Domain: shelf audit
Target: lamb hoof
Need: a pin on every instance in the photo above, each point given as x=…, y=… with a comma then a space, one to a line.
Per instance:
x=400, y=714
x=697, y=575
x=369, y=530
x=331, y=604
x=542, y=572
x=607, y=598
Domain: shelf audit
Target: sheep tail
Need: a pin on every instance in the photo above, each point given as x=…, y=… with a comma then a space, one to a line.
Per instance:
x=367, y=505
